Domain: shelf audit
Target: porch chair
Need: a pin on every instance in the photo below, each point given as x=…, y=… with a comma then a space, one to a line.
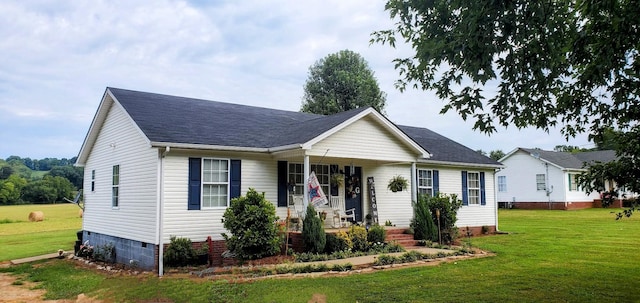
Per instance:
x=296, y=210
x=340, y=213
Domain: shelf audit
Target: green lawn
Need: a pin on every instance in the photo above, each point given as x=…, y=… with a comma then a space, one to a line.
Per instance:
x=548, y=256
x=20, y=238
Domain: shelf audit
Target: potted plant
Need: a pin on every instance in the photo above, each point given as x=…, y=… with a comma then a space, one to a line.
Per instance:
x=337, y=180
x=397, y=183
x=202, y=255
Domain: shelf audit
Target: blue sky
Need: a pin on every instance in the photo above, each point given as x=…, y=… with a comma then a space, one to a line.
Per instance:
x=59, y=56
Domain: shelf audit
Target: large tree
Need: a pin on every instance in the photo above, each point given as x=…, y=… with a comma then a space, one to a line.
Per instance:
x=567, y=64
x=340, y=82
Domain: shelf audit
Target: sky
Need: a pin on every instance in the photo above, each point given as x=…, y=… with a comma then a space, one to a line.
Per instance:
x=58, y=57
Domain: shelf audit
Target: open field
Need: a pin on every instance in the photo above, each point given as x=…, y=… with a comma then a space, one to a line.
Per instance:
x=549, y=256
x=20, y=238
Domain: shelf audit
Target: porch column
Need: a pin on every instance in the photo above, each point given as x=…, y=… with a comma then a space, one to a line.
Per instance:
x=306, y=171
x=414, y=183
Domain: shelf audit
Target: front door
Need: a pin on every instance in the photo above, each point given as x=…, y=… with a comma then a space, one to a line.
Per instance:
x=353, y=190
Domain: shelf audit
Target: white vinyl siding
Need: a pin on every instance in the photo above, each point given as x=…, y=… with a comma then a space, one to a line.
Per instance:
x=215, y=183
x=121, y=143
x=364, y=139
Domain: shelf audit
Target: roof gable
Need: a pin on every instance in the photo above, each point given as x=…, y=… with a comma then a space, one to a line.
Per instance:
x=179, y=121
x=566, y=160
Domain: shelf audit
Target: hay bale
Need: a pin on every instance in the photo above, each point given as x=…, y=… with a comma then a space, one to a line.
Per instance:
x=80, y=213
x=36, y=216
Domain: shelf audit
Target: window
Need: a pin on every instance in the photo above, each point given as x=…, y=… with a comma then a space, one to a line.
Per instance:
x=502, y=184
x=473, y=185
x=540, y=182
x=215, y=183
x=573, y=184
x=115, y=186
x=425, y=182
x=296, y=178
x=93, y=180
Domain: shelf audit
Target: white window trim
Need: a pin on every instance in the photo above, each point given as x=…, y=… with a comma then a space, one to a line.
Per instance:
x=426, y=187
x=115, y=198
x=502, y=186
x=469, y=188
x=326, y=187
x=203, y=183
x=544, y=182
x=572, y=179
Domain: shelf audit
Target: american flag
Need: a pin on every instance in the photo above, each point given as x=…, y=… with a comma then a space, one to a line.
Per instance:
x=316, y=195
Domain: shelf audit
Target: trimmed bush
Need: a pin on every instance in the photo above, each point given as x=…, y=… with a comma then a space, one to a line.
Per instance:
x=251, y=220
x=313, y=236
x=180, y=252
x=376, y=234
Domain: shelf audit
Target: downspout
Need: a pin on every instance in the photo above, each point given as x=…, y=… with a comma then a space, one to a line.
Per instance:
x=160, y=212
x=495, y=196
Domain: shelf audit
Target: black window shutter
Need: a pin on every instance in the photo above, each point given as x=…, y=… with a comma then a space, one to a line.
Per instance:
x=465, y=191
x=194, y=184
x=235, y=179
x=436, y=182
x=483, y=198
x=282, y=183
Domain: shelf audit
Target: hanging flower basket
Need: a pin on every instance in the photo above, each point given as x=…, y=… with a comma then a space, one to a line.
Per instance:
x=397, y=183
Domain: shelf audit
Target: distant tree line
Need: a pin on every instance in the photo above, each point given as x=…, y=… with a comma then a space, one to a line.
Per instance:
x=25, y=180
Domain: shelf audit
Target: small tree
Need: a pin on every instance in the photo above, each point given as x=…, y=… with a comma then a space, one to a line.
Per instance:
x=251, y=220
x=448, y=206
x=313, y=235
x=423, y=224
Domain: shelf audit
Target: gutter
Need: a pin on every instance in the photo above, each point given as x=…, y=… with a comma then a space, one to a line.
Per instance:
x=459, y=164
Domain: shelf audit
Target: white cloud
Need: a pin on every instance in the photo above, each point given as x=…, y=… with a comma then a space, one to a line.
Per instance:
x=59, y=56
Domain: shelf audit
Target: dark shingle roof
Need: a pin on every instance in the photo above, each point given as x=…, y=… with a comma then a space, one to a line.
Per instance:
x=573, y=160
x=445, y=149
x=172, y=119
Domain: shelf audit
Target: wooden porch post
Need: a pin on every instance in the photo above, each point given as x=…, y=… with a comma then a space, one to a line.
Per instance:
x=305, y=197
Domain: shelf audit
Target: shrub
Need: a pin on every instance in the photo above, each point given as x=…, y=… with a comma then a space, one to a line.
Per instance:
x=313, y=236
x=358, y=236
x=448, y=206
x=343, y=242
x=423, y=226
x=376, y=234
x=251, y=220
x=180, y=252
x=105, y=253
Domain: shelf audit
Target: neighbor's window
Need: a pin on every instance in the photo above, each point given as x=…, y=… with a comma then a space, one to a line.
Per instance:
x=296, y=178
x=473, y=186
x=573, y=183
x=115, y=185
x=425, y=182
x=540, y=182
x=502, y=184
x=215, y=183
x=93, y=180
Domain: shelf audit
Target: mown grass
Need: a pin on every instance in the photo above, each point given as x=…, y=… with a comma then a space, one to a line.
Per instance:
x=20, y=238
x=549, y=256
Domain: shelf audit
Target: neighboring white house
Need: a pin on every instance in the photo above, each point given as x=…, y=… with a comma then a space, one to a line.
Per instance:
x=158, y=166
x=540, y=179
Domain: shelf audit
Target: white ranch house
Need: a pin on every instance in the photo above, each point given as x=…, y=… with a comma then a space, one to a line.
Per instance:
x=158, y=166
x=541, y=179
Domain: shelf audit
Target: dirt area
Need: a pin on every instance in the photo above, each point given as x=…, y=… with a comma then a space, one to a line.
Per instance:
x=17, y=290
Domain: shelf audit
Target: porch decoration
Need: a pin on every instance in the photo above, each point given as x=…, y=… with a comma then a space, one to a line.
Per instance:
x=397, y=183
x=337, y=180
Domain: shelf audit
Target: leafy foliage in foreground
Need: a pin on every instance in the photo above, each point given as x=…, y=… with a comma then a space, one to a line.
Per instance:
x=569, y=64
